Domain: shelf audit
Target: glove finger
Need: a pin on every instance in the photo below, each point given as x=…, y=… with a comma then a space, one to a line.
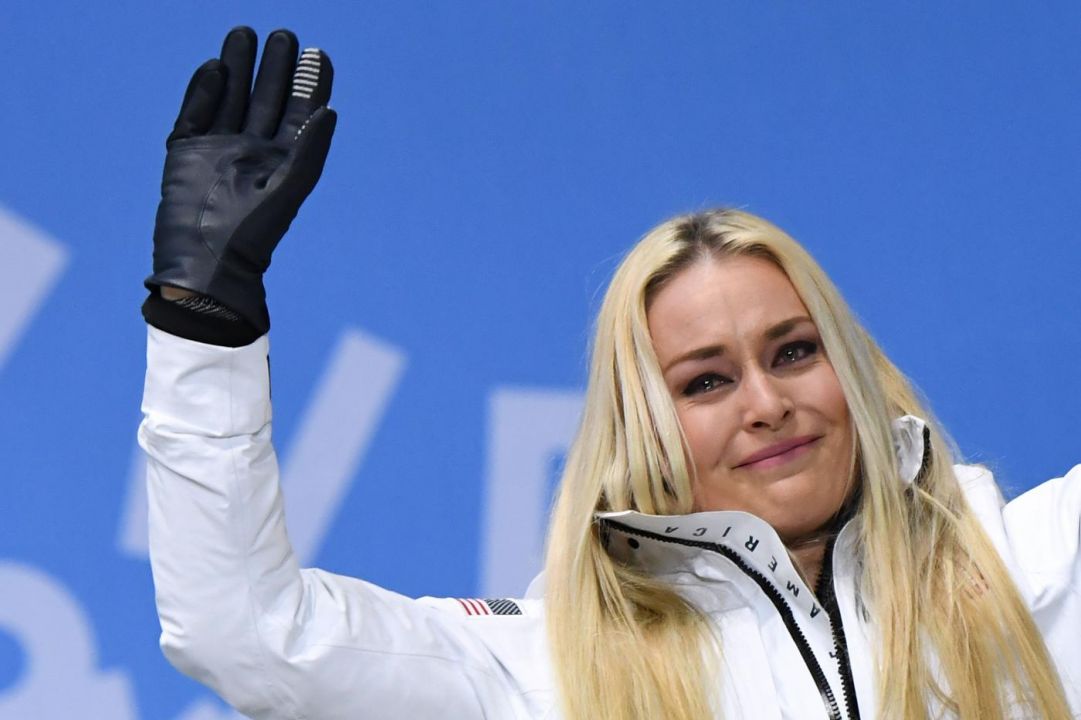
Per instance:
x=200, y=101
x=238, y=55
x=272, y=84
x=299, y=175
x=312, y=81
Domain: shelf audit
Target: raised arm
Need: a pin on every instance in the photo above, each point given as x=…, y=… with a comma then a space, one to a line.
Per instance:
x=236, y=611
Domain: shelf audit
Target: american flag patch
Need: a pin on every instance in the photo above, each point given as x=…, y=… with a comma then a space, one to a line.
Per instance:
x=476, y=606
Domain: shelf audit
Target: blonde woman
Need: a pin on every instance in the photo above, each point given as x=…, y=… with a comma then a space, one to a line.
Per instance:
x=834, y=562
x=758, y=518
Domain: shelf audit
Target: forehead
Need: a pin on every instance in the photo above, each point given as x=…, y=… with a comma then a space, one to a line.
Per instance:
x=721, y=301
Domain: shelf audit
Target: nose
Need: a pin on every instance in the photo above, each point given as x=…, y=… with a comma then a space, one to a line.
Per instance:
x=765, y=404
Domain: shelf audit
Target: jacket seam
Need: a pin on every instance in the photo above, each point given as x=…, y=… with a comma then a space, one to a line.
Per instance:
x=274, y=694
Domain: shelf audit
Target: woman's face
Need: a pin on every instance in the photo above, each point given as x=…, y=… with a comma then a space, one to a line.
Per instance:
x=763, y=413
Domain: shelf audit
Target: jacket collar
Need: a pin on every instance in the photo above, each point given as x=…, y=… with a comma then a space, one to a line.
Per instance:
x=728, y=560
x=710, y=546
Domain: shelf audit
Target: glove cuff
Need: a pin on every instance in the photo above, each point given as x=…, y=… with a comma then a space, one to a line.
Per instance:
x=195, y=322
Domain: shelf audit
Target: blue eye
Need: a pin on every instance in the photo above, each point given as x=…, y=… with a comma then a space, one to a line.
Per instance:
x=796, y=351
x=704, y=383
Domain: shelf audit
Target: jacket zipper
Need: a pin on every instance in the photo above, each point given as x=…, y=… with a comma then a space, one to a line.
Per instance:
x=829, y=700
x=828, y=597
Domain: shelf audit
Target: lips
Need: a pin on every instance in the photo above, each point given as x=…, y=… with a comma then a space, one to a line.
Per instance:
x=778, y=450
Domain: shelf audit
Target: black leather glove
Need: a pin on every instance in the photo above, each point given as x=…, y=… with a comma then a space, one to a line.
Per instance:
x=236, y=172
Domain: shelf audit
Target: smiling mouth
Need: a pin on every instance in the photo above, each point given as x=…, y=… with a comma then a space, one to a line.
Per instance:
x=780, y=454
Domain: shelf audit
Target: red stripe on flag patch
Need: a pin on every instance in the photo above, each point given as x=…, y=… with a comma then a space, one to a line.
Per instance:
x=473, y=606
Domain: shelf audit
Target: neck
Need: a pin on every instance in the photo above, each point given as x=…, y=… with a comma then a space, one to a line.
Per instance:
x=808, y=554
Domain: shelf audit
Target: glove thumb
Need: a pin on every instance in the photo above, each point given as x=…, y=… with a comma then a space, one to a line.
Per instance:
x=301, y=172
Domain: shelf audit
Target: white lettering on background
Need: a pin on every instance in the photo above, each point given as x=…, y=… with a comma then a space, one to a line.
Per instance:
x=61, y=679
x=30, y=264
x=337, y=428
x=527, y=429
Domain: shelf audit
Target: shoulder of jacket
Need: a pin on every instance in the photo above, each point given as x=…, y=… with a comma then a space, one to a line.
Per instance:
x=1036, y=533
x=982, y=493
x=973, y=476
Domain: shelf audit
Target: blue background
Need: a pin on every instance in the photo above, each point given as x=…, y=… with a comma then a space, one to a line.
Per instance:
x=492, y=162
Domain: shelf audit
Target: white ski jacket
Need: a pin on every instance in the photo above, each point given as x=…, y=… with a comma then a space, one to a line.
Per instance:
x=276, y=641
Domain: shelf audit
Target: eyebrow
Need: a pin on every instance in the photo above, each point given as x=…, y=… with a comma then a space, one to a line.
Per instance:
x=709, y=351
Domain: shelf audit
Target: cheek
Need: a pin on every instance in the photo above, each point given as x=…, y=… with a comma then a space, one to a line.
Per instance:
x=707, y=430
x=843, y=419
x=833, y=407
x=828, y=397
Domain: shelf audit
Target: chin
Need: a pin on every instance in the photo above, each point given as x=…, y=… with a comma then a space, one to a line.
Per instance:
x=802, y=508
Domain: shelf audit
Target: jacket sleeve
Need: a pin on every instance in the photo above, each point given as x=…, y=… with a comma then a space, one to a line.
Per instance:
x=1044, y=530
x=236, y=611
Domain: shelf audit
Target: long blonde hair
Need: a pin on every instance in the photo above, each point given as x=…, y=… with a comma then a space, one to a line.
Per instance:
x=628, y=646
